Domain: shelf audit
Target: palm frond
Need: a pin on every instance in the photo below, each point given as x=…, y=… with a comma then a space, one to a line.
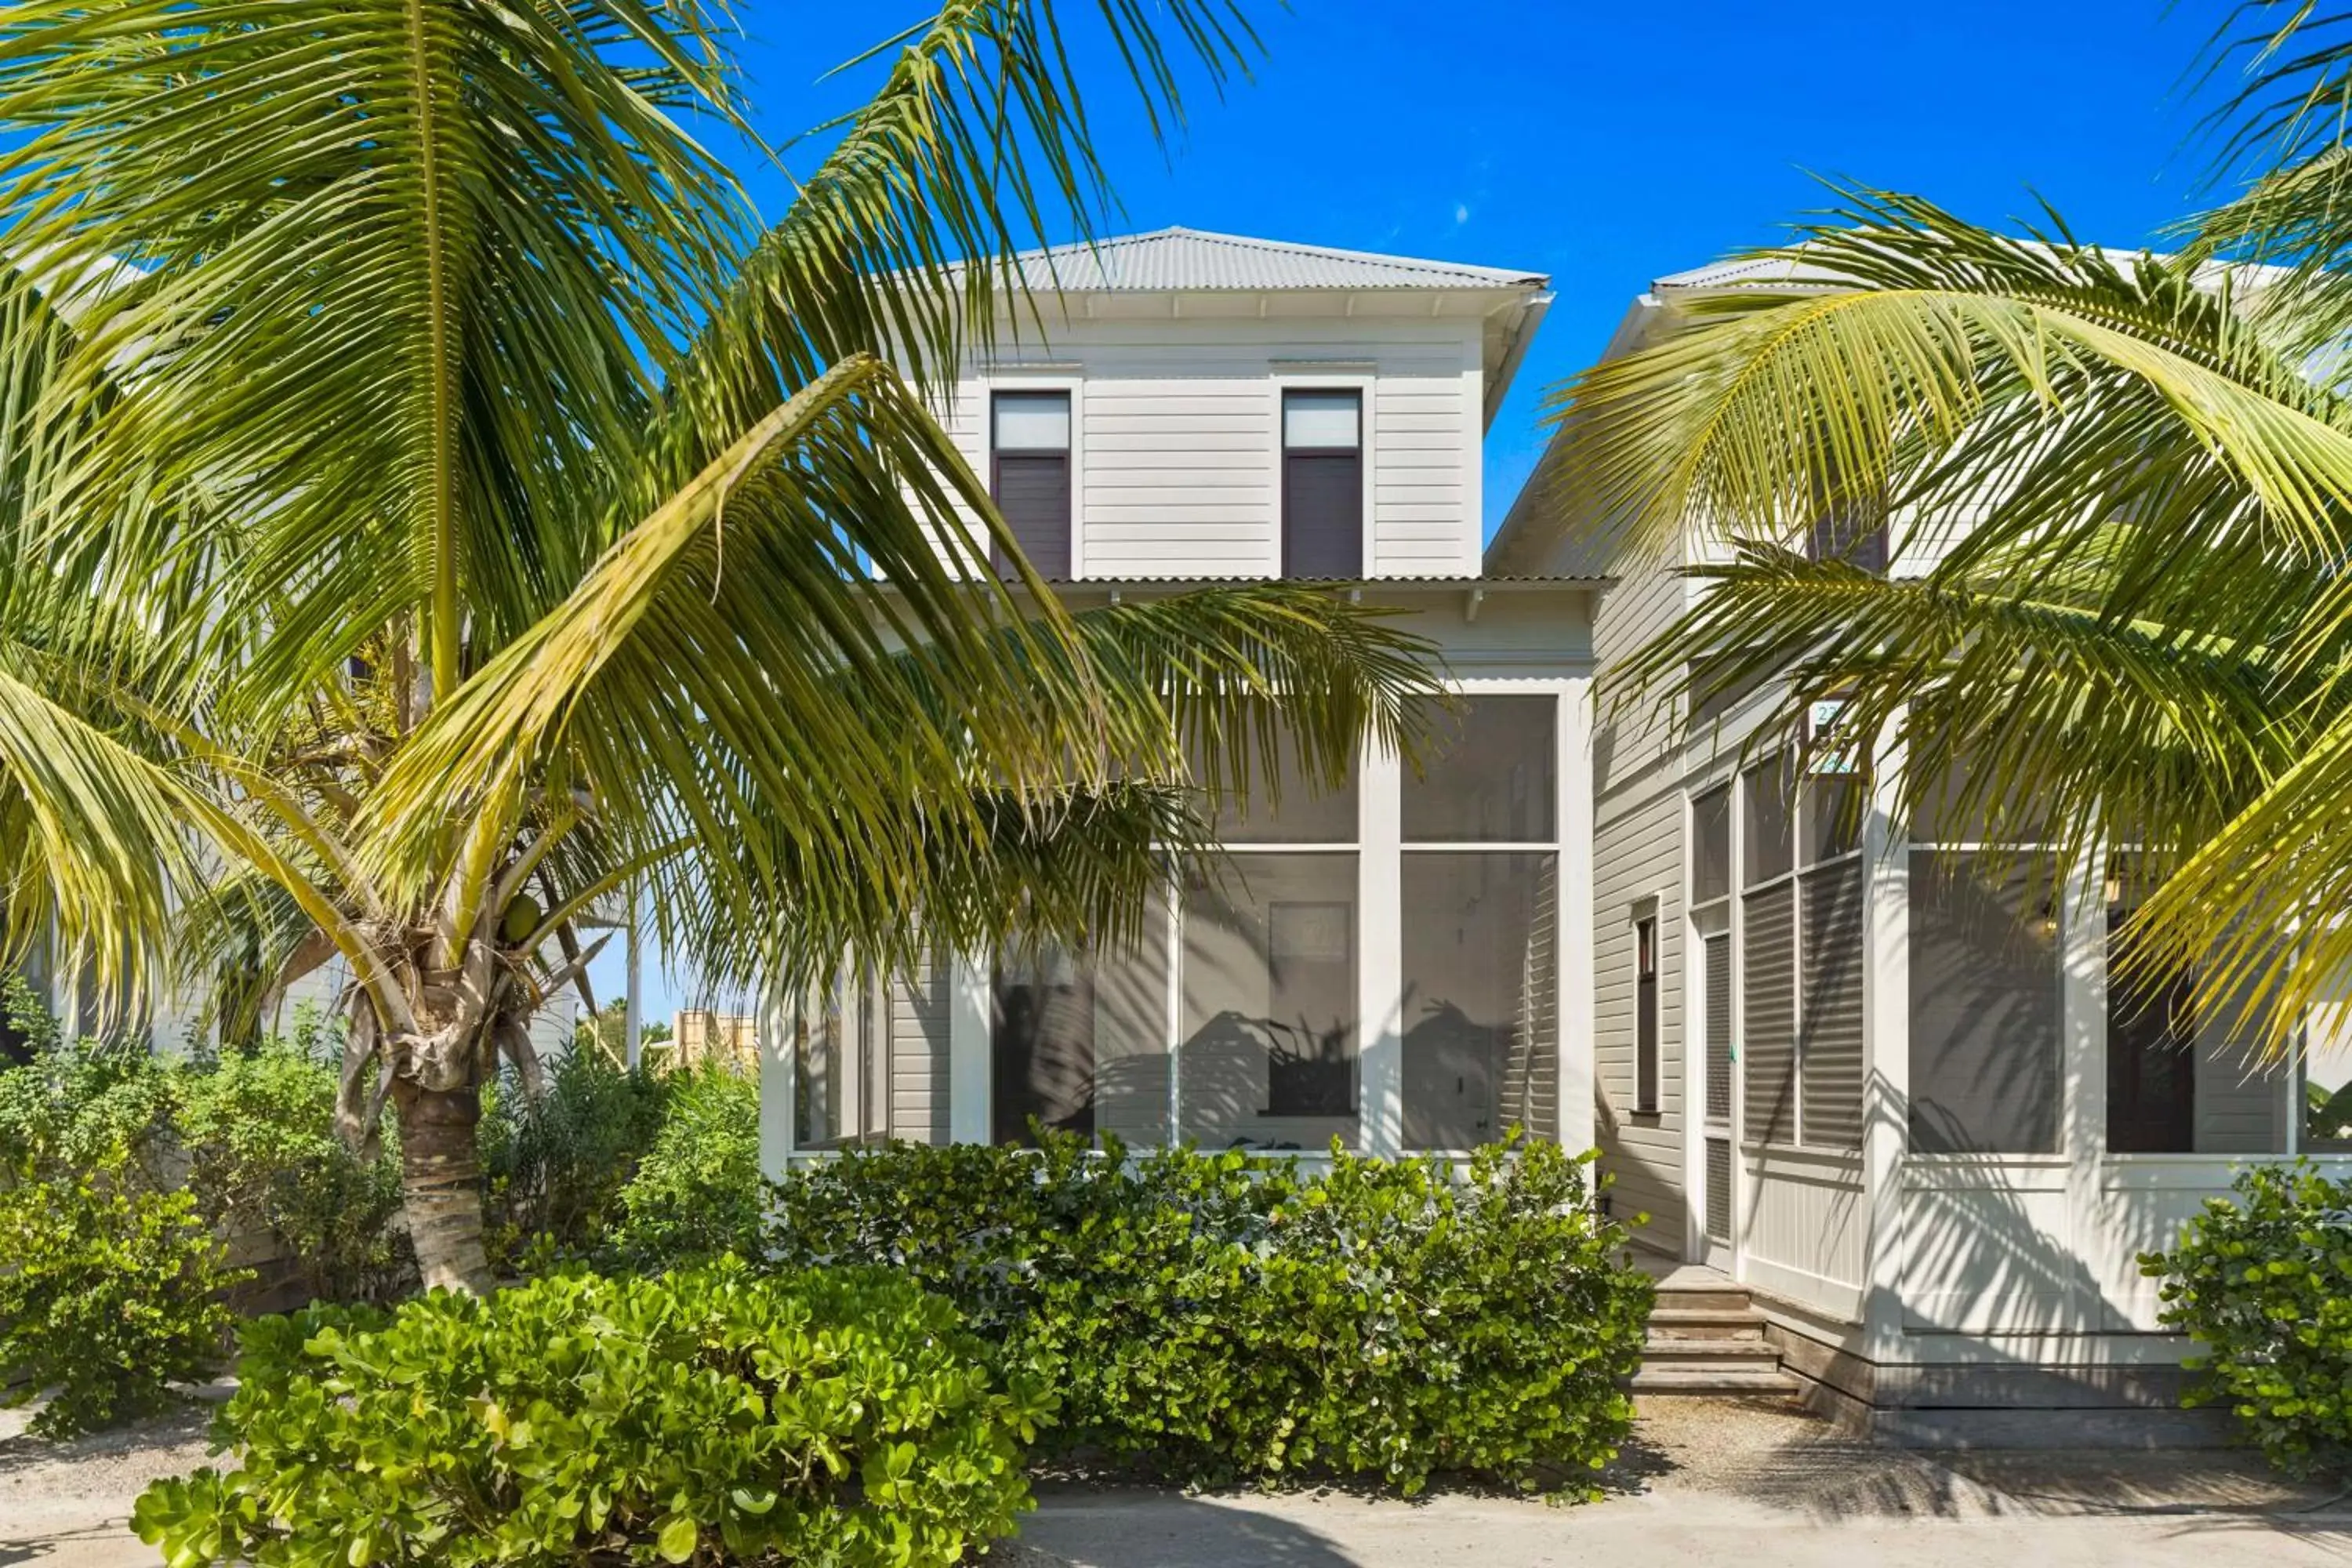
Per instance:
x=1905, y=339
x=391, y=276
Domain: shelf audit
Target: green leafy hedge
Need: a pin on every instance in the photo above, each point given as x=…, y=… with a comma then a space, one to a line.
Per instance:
x=2263, y=1283
x=713, y=1416
x=1219, y=1316
x=108, y=1298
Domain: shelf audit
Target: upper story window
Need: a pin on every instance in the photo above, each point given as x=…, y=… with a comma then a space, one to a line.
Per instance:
x=1029, y=476
x=1322, y=484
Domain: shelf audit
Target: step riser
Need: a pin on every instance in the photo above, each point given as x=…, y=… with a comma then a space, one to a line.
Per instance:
x=1710, y=1364
x=1731, y=1331
x=1732, y=1299
x=1680, y=1381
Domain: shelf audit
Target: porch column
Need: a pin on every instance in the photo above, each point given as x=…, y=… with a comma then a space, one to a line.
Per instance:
x=1576, y=973
x=1380, y=972
x=968, y=1089
x=2083, y=1074
x=1887, y=1048
x=778, y=1035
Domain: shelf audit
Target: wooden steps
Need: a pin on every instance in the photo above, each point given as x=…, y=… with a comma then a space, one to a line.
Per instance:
x=1707, y=1338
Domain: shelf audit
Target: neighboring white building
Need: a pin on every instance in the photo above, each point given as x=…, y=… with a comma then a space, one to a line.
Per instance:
x=1402, y=966
x=1901, y=1102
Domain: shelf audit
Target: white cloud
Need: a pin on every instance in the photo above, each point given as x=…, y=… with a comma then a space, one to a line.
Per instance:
x=1461, y=214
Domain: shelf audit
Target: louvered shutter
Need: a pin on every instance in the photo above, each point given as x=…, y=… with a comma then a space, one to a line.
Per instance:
x=1719, y=1027
x=1829, y=1051
x=1033, y=491
x=1769, y=990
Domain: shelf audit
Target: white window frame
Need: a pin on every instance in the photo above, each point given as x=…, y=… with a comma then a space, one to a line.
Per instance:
x=1057, y=378
x=1307, y=376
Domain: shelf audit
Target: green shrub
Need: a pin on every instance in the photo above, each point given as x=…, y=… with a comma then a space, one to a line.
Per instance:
x=557, y=1162
x=696, y=1193
x=257, y=1129
x=839, y=1418
x=80, y=1105
x=2264, y=1284
x=249, y=1133
x=1215, y=1316
x=109, y=1298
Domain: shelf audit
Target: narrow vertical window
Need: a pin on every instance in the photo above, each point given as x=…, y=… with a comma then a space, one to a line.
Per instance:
x=1322, y=484
x=1030, y=476
x=1645, y=1016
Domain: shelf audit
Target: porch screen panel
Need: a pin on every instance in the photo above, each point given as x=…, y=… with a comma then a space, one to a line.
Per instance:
x=1769, y=994
x=1985, y=981
x=1078, y=1042
x=1042, y=1047
x=1478, y=960
x=1831, y=1040
x=1717, y=950
x=1268, y=1039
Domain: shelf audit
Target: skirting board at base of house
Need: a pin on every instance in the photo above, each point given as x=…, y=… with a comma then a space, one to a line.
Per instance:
x=1996, y=1406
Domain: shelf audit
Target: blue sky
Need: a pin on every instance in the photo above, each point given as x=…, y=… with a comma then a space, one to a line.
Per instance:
x=1605, y=144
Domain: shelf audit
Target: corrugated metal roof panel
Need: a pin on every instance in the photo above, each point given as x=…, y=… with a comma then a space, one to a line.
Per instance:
x=1375, y=583
x=1194, y=260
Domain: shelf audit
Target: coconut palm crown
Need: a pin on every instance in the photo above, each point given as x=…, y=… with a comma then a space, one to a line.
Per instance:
x=438, y=501
x=2118, y=490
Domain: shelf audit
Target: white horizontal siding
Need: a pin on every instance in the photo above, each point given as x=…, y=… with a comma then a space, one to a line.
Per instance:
x=918, y=1054
x=1177, y=438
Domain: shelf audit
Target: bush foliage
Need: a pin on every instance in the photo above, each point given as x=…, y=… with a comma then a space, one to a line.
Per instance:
x=711, y=1415
x=697, y=1191
x=110, y=1296
x=1219, y=1316
x=2263, y=1283
x=557, y=1163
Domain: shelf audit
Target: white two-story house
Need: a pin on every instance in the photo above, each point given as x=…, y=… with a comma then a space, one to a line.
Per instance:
x=1881, y=1076
x=1401, y=965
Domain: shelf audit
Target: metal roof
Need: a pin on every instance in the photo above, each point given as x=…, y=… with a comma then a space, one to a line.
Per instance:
x=1376, y=585
x=1789, y=270
x=1192, y=261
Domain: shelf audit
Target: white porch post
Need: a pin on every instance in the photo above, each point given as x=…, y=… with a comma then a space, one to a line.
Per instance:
x=778, y=1036
x=1887, y=1049
x=1380, y=975
x=2083, y=1077
x=968, y=1108
x=1576, y=973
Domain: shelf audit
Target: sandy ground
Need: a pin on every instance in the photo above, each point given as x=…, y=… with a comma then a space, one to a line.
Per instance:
x=1705, y=1482
x=67, y=1505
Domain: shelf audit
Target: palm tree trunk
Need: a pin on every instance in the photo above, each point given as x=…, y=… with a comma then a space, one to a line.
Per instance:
x=441, y=1184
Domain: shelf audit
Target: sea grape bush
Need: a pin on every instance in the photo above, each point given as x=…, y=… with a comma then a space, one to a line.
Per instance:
x=711, y=1415
x=2263, y=1282
x=1221, y=1316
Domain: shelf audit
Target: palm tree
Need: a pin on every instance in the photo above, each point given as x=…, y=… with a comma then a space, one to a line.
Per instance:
x=2143, y=632
x=433, y=485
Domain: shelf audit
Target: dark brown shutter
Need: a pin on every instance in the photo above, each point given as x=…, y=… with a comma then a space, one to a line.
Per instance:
x=1645, y=1016
x=1033, y=491
x=1767, y=987
x=1323, y=514
x=1830, y=1052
